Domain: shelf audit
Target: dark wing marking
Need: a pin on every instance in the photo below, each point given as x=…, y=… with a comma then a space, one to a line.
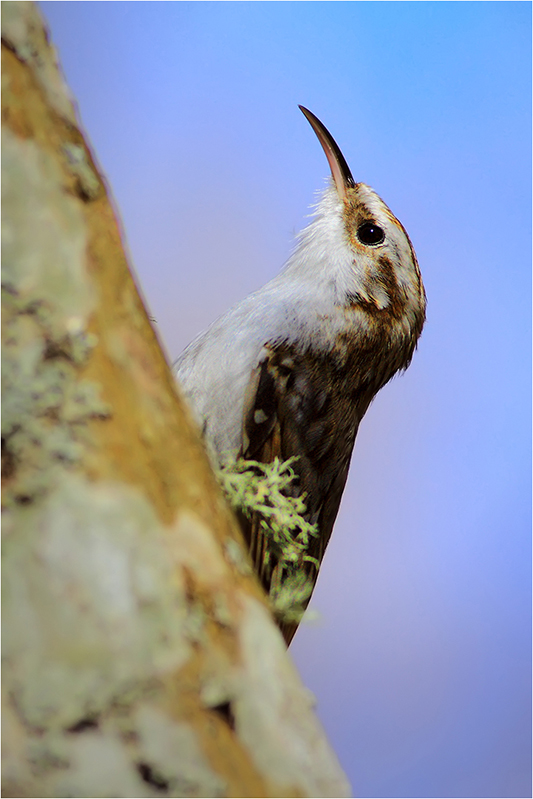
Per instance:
x=299, y=405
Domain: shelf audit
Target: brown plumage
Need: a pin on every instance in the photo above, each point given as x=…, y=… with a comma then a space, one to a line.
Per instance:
x=292, y=369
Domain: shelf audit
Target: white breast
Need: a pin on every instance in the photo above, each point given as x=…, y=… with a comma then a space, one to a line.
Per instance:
x=304, y=305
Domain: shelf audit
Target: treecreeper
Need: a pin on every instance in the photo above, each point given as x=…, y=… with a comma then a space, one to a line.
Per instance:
x=290, y=371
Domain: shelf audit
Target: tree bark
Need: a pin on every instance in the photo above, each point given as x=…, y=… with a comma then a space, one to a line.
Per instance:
x=140, y=657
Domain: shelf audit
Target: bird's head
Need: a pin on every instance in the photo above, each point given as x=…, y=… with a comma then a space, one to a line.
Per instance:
x=376, y=262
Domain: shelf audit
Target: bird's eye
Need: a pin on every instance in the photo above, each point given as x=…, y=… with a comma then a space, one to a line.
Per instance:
x=370, y=233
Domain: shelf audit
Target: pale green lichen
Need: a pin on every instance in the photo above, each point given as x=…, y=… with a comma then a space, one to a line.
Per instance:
x=93, y=607
x=236, y=556
x=89, y=185
x=261, y=490
x=289, y=600
x=44, y=236
x=269, y=696
x=173, y=751
x=47, y=299
x=45, y=407
x=22, y=32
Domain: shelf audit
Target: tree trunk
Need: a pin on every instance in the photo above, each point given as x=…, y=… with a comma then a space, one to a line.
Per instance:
x=140, y=657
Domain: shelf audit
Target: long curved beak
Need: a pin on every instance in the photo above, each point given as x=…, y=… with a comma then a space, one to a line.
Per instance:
x=337, y=162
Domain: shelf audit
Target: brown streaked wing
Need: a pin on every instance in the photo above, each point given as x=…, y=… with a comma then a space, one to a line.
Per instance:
x=296, y=406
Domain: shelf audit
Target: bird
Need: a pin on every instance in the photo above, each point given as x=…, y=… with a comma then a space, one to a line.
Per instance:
x=290, y=371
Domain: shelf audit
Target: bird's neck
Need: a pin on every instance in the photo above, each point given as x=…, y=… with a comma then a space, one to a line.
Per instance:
x=323, y=259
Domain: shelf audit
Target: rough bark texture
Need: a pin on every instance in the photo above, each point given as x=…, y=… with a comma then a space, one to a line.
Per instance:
x=140, y=658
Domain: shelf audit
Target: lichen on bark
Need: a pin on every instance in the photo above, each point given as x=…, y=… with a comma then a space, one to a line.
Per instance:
x=140, y=657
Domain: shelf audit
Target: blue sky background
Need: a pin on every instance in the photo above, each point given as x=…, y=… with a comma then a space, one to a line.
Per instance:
x=421, y=659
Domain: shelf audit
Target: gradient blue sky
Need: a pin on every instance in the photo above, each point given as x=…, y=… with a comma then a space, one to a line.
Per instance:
x=421, y=659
